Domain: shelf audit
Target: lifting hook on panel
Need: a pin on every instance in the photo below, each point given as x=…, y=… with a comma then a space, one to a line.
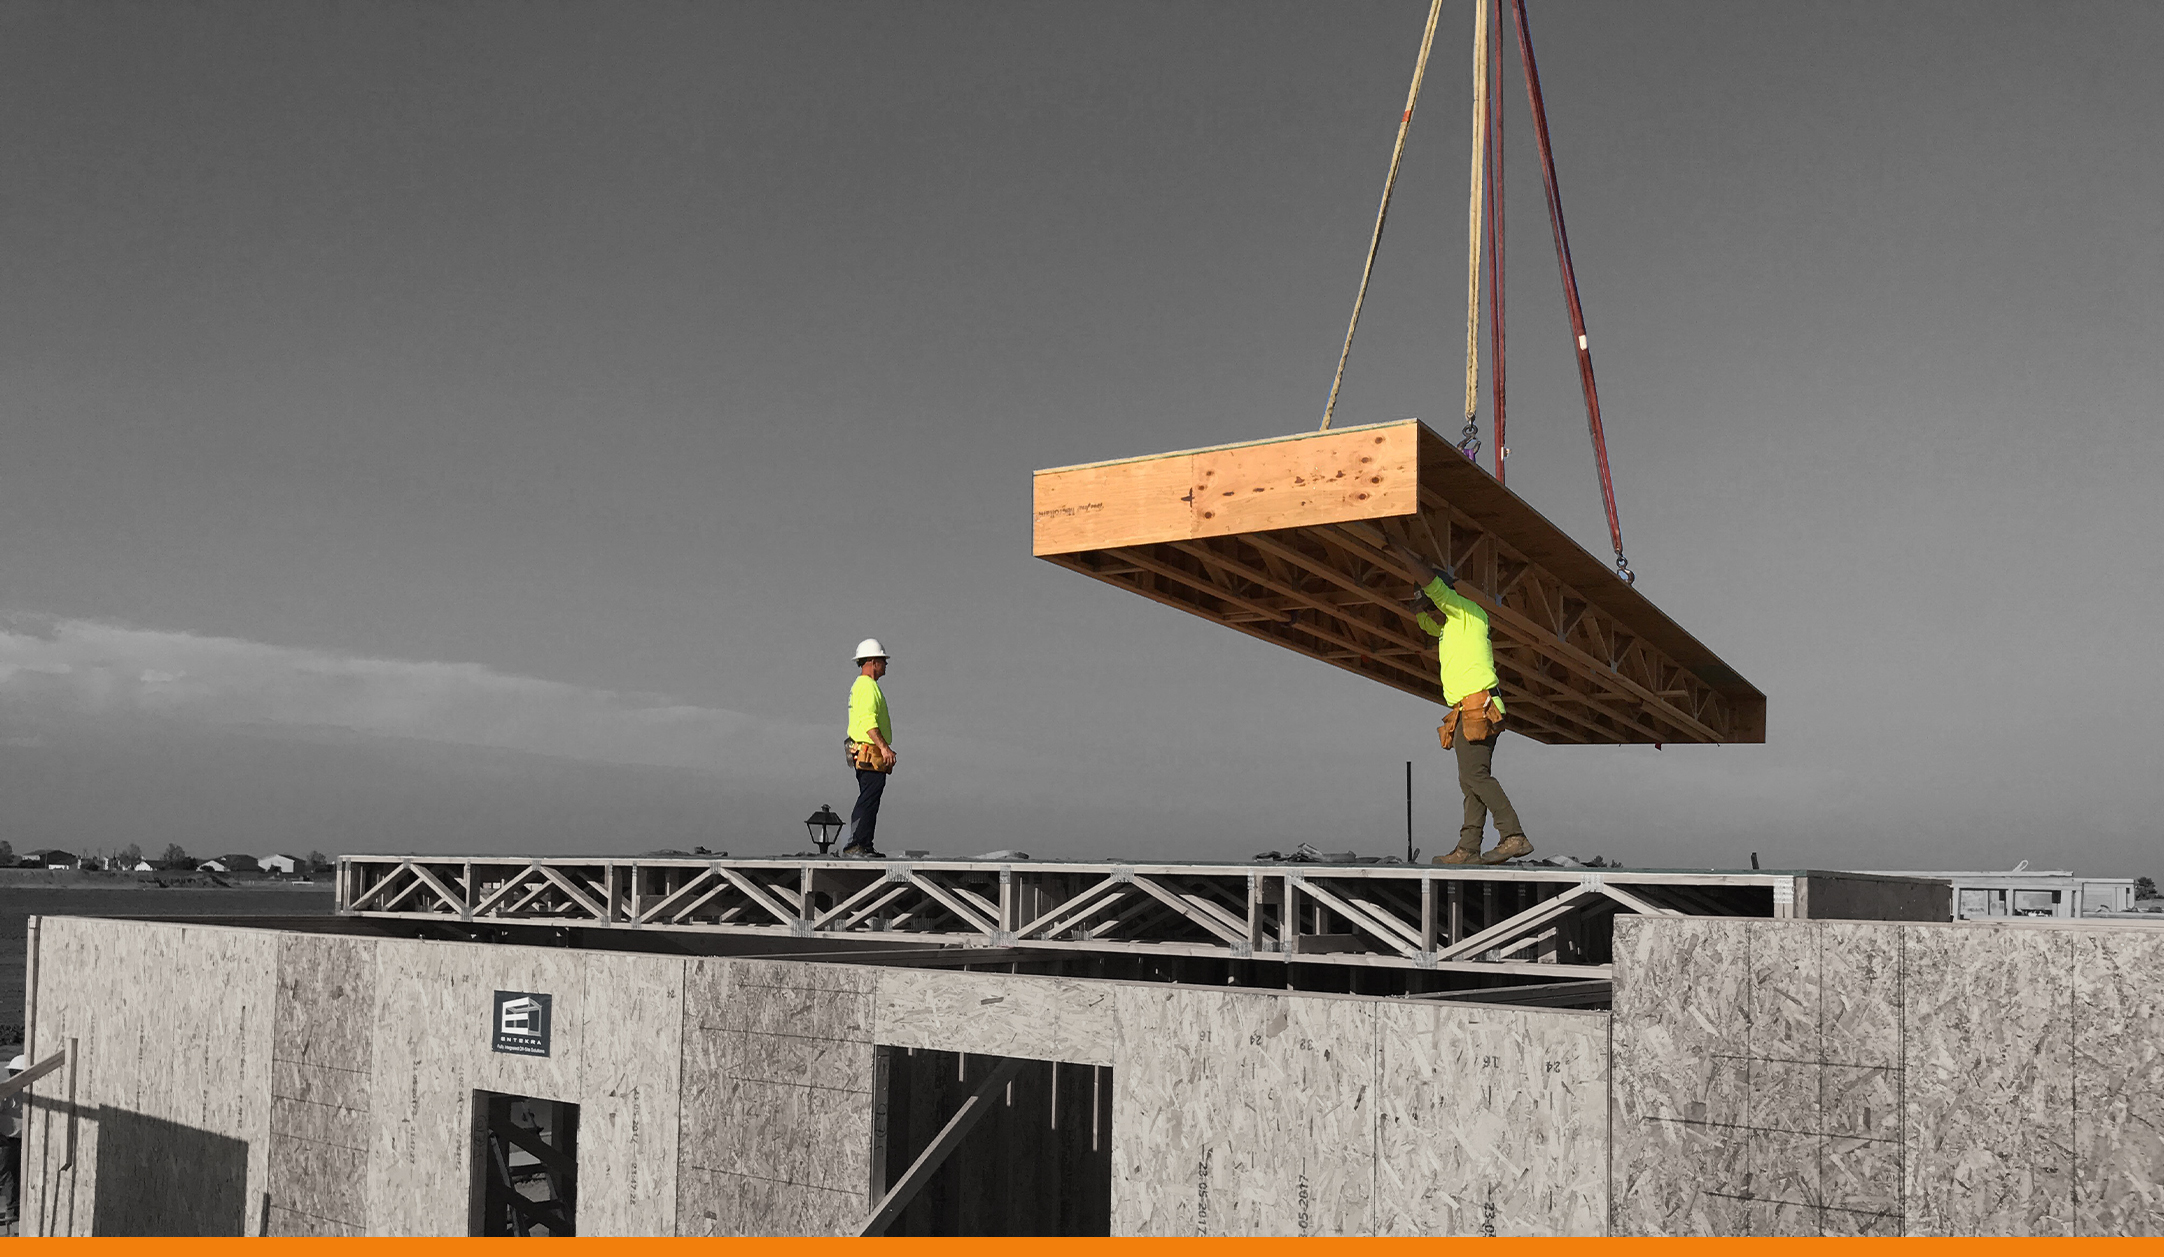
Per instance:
x=1623, y=569
x=1469, y=444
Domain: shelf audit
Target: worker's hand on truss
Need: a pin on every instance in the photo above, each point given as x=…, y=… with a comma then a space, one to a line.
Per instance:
x=1412, y=559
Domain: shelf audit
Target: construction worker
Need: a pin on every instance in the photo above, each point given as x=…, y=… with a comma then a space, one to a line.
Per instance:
x=11, y=1150
x=870, y=744
x=1475, y=722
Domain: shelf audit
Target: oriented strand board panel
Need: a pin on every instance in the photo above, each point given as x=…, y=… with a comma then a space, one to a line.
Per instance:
x=1493, y=1121
x=1288, y=540
x=995, y=1014
x=2119, y=1082
x=434, y=1007
x=1679, y=1009
x=1250, y=1113
x=1845, y=1078
x=161, y=1124
x=617, y=1025
x=1990, y=1082
x=630, y=1084
x=322, y=1047
x=777, y=1101
x=1242, y=1114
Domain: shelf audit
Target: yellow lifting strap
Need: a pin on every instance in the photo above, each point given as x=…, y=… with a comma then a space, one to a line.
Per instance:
x=1474, y=202
x=1390, y=183
x=1472, y=216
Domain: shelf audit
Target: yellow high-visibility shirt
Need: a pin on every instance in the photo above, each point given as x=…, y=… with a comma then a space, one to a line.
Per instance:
x=867, y=708
x=1462, y=648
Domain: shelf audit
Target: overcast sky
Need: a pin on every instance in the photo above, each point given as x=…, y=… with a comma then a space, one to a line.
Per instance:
x=491, y=426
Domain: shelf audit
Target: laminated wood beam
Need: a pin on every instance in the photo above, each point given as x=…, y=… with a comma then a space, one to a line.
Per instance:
x=1288, y=540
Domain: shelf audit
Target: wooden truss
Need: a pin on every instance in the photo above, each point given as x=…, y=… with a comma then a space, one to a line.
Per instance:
x=1542, y=922
x=1289, y=540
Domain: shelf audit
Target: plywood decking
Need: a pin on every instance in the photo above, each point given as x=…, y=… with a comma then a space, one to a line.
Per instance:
x=1288, y=540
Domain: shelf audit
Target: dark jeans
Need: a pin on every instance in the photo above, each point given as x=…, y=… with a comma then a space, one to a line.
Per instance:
x=1483, y=793
x=865, y=819
x=11, y=1159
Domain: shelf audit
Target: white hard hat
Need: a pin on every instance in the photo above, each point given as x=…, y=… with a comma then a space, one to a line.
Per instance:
x=18, y=1065
x=870, y=648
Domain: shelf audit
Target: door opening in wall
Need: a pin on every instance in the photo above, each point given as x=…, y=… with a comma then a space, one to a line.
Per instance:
x=1030, y=1155
x=525, y=1166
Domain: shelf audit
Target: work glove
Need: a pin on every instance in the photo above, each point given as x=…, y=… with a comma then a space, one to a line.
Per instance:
x=1420, y=600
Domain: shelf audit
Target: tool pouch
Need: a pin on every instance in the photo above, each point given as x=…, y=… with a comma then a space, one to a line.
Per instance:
x=1475, y=717
x=866, y=757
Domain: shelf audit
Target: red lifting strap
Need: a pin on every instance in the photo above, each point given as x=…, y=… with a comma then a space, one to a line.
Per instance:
x=1570, y=285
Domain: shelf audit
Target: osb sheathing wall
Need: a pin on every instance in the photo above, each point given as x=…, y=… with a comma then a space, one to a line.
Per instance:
x=1263, y=1114
x=167, y=1097
x=1838, y=1078
x=731, y=1096
x=351, y=1115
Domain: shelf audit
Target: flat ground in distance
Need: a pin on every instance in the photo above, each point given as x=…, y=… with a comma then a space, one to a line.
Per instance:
x=28, y=893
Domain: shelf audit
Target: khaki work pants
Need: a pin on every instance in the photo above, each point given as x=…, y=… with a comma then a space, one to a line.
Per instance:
x=1483, y=793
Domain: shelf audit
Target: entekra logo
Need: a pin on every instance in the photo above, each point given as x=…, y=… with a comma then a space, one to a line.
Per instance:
x=520, y=1024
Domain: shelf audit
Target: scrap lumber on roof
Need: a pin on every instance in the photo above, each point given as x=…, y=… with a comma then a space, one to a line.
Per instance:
x=1288, y=540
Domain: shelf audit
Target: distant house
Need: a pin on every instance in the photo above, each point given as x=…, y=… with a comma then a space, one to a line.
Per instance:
x=142, y=866
x=234, y=864
x=284, y=865
x=54, y=858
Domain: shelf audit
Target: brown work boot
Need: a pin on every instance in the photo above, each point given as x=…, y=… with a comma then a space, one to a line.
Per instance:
x=1466, y=852
x=1508, y=849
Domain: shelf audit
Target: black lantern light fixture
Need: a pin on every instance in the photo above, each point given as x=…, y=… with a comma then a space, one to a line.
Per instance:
x=824, y=827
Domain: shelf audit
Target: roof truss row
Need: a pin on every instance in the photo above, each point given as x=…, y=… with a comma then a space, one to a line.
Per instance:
x=1478, y=920
x=1291, y=541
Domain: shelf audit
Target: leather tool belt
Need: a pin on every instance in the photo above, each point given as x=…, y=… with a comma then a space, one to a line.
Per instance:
x=866, y=757
x=1475, y=716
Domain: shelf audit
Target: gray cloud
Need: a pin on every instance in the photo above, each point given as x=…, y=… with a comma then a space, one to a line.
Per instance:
x=92, y=669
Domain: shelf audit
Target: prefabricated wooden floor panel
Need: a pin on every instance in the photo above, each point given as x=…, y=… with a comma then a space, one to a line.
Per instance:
x=1288, y=540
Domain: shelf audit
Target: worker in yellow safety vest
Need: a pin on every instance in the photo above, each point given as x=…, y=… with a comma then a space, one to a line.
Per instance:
x=1475, y=722
x=870, y=745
